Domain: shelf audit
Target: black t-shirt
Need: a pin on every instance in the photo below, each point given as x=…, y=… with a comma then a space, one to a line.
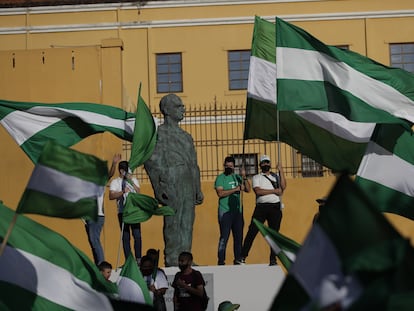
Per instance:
x=185, y=300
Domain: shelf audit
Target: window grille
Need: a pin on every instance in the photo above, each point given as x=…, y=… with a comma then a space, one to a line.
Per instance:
x=169, y=73
x=238, y=64
x=402, y=56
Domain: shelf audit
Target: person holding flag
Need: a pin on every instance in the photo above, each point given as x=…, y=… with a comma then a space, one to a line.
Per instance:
x=119, y=189
x=268, y=187
x=156, y=281
x=228, y=187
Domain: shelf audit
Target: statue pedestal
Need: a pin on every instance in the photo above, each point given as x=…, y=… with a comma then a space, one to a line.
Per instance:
x=252, y=286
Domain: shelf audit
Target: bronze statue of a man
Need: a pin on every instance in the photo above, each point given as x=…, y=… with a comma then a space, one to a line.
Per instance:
x=175, y=178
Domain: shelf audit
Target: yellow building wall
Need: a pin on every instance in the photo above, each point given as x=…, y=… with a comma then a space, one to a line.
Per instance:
x=111, y=61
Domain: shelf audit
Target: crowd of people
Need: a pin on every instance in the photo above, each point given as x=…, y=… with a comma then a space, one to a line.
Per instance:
x=188, y=284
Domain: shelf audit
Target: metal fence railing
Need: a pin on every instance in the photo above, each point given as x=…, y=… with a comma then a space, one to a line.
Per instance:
x=217, y=131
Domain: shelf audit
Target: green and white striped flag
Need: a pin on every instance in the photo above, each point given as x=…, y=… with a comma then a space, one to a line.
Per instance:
x=352, y=256
x=315, y=76
x=334, y=80
x=41, y=270
x=387, y=169
x=284, y=247
x=31, y=125
x=261, y=86
x=327, y=137
x=64, y=183
x=131, y=283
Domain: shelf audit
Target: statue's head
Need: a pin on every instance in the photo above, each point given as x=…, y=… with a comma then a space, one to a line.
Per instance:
x=172, y=107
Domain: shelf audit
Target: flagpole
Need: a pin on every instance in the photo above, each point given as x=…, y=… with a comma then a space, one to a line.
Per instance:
x=119, y=247
x=278, y=149
x=9, y=230
x=154, y=272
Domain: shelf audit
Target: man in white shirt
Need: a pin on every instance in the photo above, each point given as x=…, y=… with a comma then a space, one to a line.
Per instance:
x=268, y=187
x=118, y=190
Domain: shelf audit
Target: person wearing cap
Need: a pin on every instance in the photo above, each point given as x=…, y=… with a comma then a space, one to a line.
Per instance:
x=321, y=202
x=268, y=187
x=228, y=186
x=118, y=190
x=228, y=306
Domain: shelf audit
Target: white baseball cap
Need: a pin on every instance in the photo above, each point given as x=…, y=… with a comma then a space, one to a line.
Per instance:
x=264, y=158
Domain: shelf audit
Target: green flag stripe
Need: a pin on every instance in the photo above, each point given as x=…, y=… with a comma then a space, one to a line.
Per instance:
x=72, y=293
x=264, y=40
x=17, y=298
x=50, y=181
x=257, y=114
x=320, y=95
x=385, y=168
x=262, y=80
x=387, y=199
x=315, y=66
x=35, y=202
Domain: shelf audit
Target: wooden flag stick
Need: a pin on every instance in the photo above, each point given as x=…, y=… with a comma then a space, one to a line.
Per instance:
x=9, y=230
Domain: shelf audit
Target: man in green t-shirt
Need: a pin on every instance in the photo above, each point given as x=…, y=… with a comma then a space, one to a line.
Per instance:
x=228, y=186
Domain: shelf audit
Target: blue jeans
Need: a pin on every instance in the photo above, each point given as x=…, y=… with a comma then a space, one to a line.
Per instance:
x=230, y=221
x=93, y=229
x=126, y=238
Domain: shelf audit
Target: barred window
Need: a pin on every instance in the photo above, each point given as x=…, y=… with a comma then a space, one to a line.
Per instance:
x=311, y=168
x=169, y=73
x=238, y=64
x=250, y=163
x=402, y=56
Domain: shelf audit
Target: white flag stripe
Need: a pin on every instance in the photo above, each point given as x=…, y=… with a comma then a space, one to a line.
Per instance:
x=48, y=180
x=338, y=125
x=16, y=123
x=49, y=281
x=41, y=117
x=262, y=80
x=290, y=255
x=301, y=64
x=387, y=169
x=277, y=249
x=129, y=290
x=273, y=244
